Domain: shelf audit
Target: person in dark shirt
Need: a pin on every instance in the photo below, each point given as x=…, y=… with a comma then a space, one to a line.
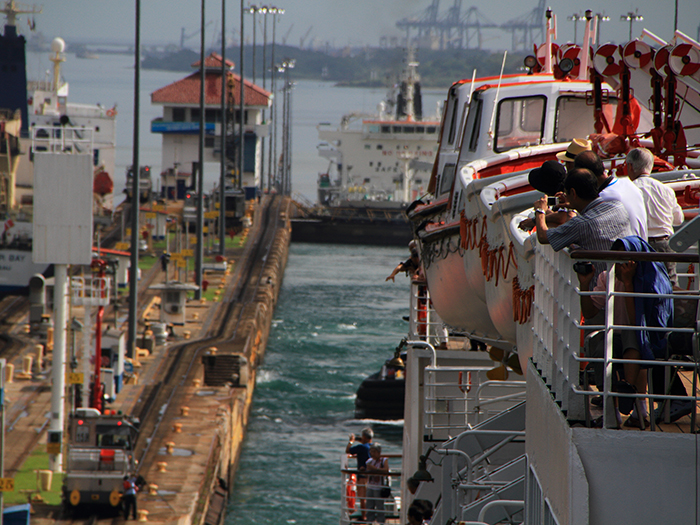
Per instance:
x=360, y=448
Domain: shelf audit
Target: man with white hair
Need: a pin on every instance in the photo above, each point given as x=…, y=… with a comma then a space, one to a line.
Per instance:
x=663, y=210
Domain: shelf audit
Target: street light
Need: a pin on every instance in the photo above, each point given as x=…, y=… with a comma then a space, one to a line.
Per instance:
x=264, y=10
x=222, y=167
x=285, y=183
x=631, y=18
x=253, y=10
x=274, y=11
x=575, y=18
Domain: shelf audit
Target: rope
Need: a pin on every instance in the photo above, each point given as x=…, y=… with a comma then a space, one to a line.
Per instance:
x=522, y=302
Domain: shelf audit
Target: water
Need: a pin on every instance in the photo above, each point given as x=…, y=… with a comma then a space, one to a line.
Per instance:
x=337, y=320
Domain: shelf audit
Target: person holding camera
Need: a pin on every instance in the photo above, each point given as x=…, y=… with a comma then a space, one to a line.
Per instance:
x=598, y=223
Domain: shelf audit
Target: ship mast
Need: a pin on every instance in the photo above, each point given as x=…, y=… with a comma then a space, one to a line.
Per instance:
x=12, y=9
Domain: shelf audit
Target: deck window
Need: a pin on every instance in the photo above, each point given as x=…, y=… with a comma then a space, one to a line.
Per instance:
x=396, y=129
x=519, y=122
x=409, y=129
x=386, y=129
x=472, y=127
x=574, y=117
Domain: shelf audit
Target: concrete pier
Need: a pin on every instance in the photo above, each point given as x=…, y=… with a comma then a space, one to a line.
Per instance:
x=195, y=421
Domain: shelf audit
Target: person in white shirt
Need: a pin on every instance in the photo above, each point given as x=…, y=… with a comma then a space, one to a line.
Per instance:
x=621, y=189
x=663, y=210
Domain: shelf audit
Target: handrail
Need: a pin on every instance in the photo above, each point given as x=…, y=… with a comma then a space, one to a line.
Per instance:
x=610, y=255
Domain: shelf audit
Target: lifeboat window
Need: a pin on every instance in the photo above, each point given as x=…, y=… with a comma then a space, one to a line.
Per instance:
x=573, y=118
x=448, y=177
x=431, y=129
x=450, y=130
x=519, y=122
x=472, y=127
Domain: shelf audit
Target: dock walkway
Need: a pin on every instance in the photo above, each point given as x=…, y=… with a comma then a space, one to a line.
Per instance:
x=192, y=432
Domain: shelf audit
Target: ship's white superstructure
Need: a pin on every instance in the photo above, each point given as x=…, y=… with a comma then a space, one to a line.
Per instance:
x=382, y=158
x=556, y=457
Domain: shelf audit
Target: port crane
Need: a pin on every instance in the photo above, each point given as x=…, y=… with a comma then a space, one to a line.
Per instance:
x=186, y=36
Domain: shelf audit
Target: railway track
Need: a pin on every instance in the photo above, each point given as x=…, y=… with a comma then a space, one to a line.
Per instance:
x=223, y=332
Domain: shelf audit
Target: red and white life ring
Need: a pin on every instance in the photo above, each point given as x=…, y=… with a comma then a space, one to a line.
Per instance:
x=573, y=53
x=605, y=60
x=637, y=54
x=684, y=60
x=542, y=53
x=661, y=60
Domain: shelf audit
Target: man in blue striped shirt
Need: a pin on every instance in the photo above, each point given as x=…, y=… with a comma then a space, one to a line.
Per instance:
x=598, y=223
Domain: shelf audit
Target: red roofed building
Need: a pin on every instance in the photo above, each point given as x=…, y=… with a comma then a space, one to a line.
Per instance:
x=180, y=125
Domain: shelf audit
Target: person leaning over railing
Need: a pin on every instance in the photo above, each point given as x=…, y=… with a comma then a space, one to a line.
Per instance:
x=643, y=277
x=598, y=224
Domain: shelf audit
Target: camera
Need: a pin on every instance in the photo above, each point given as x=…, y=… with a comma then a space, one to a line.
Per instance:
x=551, y=201
x=584, y=268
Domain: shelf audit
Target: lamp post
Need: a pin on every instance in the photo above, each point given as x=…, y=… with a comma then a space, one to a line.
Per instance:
x=274, y=11
x=285, y=182
x=135, y=193
x=253, y=10
x=241, y=117
x=199, y=249
x=575, y=18
x=222, y=168
x=264, y=10
x=631, y=18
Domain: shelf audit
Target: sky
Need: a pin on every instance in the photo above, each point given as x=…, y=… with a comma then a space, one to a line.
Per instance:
x=336, y=22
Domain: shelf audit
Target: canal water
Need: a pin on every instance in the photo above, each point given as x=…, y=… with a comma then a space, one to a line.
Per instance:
x=336, y=322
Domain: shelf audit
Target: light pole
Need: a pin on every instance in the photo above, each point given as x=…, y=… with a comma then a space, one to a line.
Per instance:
x=222, y=168
x=575, y=18
x=241, y=117
x=273, y=87
x=135, y=193
x=285, y=183
x=631, y=18
x=253, y=10
x=264, y=10
x=199, y=249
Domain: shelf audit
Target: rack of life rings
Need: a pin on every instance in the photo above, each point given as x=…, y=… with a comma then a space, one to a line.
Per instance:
x=351, y=505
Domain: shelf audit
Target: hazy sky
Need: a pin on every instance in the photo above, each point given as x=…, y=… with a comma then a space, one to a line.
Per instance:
x=339, y=22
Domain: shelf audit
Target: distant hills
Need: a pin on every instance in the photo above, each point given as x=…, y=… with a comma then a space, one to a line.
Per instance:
x=358, y=67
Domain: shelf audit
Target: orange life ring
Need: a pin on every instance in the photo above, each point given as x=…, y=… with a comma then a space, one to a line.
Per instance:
x=350, y=493
x=112, y=112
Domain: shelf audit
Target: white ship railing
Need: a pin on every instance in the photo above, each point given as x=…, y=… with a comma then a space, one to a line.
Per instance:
x=558, y=339
x=424, y=322
x=457, y=398
x=93, y=291
x=350, y=506
x=62, y=139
